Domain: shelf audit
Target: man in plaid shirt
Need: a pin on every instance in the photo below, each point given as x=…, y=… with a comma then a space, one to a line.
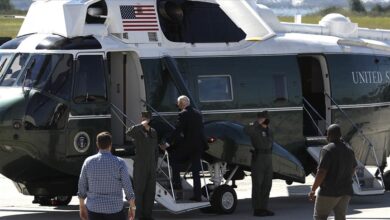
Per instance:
x=102, y=178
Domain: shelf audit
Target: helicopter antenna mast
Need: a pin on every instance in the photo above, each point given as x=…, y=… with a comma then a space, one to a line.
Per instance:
x=298, y=14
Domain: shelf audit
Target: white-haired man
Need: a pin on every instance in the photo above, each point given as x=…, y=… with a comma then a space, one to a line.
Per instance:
x=188, y=143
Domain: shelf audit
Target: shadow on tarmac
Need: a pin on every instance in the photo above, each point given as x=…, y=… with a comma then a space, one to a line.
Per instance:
x=292, y=207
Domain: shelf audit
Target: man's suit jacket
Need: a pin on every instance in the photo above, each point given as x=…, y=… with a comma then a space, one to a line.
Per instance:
x=188, y=134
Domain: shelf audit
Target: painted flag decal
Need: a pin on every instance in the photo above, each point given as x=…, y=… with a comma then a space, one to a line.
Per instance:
x=139, y=18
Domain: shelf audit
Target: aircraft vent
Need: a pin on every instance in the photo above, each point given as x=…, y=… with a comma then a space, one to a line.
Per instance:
x=97, y=13
x=153, y=36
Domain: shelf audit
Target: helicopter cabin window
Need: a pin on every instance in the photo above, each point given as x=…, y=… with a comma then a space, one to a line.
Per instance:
x=215, y=88
x=280, y=83
x=197, y=22
x=90, y=81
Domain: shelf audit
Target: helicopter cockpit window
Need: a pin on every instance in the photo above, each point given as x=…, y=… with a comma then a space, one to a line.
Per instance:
x=90, y=81
x=46, y=72
x=13, y=73
x=221, y=87
x=4, y=59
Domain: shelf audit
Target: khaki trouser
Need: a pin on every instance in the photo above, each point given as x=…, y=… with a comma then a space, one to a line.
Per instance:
x=262, y=174
x=325, y=204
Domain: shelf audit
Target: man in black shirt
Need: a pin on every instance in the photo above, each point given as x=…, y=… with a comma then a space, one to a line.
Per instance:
x=334, y=177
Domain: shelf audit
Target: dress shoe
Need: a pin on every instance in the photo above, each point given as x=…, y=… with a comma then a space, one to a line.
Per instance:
x=263, y=212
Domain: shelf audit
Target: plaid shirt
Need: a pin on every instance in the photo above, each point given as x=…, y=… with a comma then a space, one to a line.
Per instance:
x=102, y=178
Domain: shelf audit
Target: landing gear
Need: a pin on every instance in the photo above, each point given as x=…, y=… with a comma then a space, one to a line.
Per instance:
x=386, y=179
x=224, y=200
x=52, y=201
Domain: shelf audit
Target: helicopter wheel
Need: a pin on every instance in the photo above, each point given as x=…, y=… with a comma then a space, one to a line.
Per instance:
x=52, y=201
x=42, y=200
x=61, y=200
x=386, y=179
x=224, y=199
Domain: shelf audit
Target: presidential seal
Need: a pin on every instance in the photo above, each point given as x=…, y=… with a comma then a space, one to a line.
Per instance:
x=81, y=142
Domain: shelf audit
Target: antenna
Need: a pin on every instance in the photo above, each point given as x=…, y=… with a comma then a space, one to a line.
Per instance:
x=298, y=15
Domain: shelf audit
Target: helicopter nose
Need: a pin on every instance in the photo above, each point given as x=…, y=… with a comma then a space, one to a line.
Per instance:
x=12, y=107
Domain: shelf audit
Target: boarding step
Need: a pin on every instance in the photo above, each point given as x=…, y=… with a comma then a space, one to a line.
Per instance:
x=164, y=194
x=316, y=141
x=123, y=150
x=364, y=182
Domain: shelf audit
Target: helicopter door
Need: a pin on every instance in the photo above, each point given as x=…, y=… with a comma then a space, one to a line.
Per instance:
x=126, y=89
x=315, y=82
x=90, y=106
x=117, y=67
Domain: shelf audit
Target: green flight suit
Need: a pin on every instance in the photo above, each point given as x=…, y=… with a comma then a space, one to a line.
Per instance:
x=144, y=174
x=261, y=166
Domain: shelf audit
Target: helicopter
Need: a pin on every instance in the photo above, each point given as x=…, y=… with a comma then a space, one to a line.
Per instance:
x=80, y=67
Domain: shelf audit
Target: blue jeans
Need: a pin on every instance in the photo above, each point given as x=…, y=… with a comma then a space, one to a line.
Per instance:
x=101, y=216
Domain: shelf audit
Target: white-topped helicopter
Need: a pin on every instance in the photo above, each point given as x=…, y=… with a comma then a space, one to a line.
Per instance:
x=79, y=67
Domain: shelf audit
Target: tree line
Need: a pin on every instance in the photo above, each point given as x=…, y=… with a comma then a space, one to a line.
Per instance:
x=358, y=7
x=5, y=5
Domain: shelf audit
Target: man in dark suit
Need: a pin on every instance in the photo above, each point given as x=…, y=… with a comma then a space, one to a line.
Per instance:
x=186, y=144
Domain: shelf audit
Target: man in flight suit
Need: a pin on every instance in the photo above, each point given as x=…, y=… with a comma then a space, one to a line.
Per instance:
x=145, y=138
x=261, y=167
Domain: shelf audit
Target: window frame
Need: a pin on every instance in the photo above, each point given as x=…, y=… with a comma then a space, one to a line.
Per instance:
x=215, y=76
x=105, y=72
x=284, y=84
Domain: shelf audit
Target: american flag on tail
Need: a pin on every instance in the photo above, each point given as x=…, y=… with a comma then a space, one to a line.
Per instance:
x=139, y=18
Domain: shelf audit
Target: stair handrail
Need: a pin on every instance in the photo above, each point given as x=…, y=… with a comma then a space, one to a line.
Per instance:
x=365, y=138
x=157, y=113
x=350, y=120
x=311, y=117
x=166, y=152
x=314, y=110
x=116, y=110
x=169, y=176
x=313, y=121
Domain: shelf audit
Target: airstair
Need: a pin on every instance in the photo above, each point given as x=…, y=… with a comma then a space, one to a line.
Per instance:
x=217, y=196
x=176, y=201
x=365, y=180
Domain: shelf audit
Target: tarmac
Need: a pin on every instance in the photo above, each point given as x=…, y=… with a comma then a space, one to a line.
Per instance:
x=288, y=202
